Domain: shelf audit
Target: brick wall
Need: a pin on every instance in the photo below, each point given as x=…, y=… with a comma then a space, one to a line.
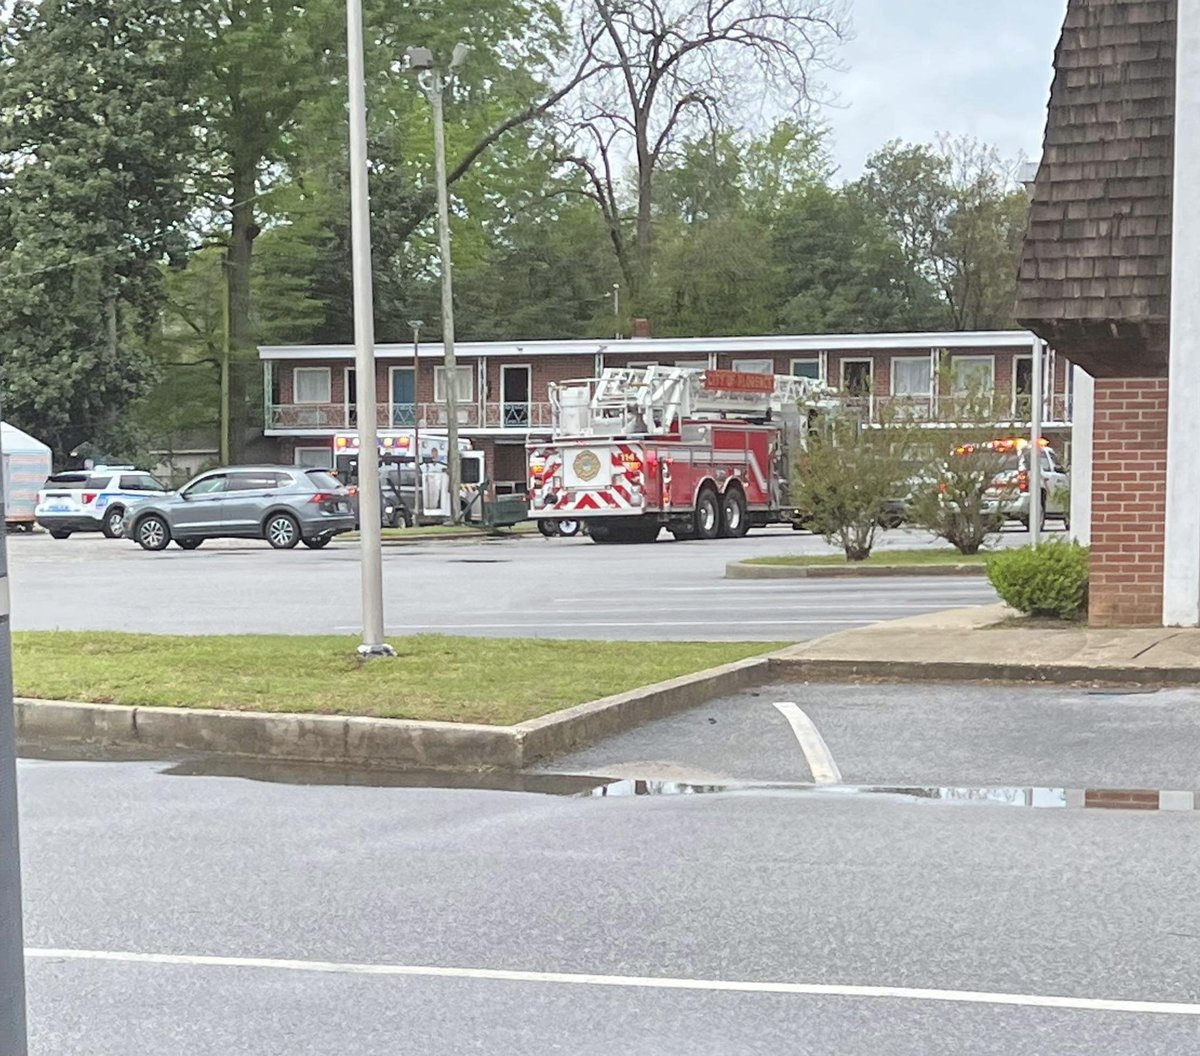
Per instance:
x=1129, y=481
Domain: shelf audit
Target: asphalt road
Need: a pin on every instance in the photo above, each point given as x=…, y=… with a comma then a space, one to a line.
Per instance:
x=526, y=587
x=214, y=915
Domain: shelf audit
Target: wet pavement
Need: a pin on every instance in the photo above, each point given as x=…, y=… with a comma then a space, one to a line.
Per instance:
x=181, y=906
x=988, y=853
x=963, y=735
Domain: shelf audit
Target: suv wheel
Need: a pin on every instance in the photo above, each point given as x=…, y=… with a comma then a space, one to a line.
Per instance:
x=152, y=533
x=282, y=531
x=113, y=525
x=58, y=533
x=316, y=542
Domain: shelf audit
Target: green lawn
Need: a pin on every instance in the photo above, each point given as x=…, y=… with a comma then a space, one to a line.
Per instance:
x=491, y=680
x=879, y=557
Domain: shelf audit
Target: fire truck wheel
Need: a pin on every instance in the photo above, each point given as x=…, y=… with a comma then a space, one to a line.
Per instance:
x=600, y=533
x=548, y=528
x=708, y=515
x=734, y=523
x=569, y=528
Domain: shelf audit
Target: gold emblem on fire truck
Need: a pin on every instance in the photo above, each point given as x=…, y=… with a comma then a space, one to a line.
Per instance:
x=586, y=465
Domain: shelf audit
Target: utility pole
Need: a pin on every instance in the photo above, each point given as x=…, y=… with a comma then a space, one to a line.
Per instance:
x=617, y=310
x=371, y=555
x=416, y=325
x=13, y=1041
x=433, y=85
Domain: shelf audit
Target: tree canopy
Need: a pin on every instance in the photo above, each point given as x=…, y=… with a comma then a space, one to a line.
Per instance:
x=173, y=179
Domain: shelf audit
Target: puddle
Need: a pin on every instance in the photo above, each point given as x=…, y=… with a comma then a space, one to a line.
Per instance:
x=635, y=787
x=319, y=774
x=1031, y=797
x=596, y=786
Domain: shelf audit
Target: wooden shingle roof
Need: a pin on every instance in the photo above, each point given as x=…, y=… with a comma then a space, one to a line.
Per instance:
x=1095, y=272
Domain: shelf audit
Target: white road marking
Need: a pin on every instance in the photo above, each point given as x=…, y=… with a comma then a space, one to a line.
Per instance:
x=812, y=744
x=903, y=993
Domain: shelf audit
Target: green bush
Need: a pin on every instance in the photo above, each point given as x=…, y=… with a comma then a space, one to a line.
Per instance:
x=1049, y=581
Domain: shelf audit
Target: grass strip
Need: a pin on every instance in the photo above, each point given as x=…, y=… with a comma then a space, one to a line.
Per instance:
x=452, y=679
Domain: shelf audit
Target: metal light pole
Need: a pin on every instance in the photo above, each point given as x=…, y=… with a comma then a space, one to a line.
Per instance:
x=226, y=430
x=364, y=347
x=432, y=84
x=13, y=1040
x=416, y=325
x=617, y=310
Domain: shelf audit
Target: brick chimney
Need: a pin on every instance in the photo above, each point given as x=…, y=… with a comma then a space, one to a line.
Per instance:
x=641, y=328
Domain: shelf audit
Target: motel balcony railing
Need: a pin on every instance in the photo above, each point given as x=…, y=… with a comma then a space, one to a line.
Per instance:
x=517, y=417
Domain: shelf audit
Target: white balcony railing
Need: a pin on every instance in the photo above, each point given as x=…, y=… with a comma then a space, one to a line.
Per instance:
x=308, y=417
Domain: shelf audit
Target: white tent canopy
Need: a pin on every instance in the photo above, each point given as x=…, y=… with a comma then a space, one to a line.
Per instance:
x=16, y=442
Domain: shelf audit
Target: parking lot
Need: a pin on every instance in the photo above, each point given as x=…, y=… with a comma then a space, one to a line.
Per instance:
x=764, y=918
x=564, y=588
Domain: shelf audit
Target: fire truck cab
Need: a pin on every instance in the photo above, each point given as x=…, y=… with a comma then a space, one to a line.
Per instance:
x=703, y=453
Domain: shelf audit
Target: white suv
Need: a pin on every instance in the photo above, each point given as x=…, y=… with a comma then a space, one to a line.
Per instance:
x=93, y=500
x=1008, y=495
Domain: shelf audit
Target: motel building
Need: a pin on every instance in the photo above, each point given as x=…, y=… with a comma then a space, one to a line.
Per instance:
x=503, y=398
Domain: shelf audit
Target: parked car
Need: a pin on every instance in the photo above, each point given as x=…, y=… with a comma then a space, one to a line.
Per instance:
x=93, y=500
x=284, y=505
x=1008, y=494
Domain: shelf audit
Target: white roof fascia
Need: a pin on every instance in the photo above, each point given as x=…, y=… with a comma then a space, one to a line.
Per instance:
x=659, y=346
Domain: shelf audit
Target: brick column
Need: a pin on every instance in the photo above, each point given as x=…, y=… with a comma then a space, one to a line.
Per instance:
x=1129, y=480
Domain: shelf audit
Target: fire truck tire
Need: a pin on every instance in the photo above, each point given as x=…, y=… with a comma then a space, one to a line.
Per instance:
x=567, y=529
x=734, y=522
x=600, y=533
x=708, y=514
x=548, y=528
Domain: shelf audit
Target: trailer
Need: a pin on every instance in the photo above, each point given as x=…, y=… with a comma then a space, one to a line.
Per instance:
x=702, y=453
x=27, y=464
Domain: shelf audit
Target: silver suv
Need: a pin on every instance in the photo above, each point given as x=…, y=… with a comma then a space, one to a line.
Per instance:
x=283, y=504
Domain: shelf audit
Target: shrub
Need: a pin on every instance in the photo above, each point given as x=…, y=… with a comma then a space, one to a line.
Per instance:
x=1049, y=581
x=846, y=479
x=952, y=505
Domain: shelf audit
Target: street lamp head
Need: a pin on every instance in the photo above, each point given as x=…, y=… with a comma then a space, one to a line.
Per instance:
x=416, y=324
x=459, y=55
x=419, y=58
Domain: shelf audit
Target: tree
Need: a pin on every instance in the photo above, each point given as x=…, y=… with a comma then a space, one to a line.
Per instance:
x=848, y=475
x=957, y=216
x=665, y=70
x=272, y=94
x=956, y=500
x=96, y=126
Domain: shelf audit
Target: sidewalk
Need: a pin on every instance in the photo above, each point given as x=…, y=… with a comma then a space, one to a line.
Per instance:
x=971, y=644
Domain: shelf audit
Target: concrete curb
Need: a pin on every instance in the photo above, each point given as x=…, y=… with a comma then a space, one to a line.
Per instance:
x=585, y=723
x=741, y=570
x=818, y=669
x=367, y=742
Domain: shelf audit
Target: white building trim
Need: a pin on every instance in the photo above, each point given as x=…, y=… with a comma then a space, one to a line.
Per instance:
x=1181, y=568
x=660, y=348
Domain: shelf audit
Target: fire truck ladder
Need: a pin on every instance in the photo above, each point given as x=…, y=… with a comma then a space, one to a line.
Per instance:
x=650, y=401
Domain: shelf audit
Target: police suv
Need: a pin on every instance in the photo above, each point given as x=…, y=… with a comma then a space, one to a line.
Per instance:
x=93, y=500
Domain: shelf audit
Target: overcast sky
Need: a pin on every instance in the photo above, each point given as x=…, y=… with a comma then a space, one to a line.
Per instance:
x=917, y=68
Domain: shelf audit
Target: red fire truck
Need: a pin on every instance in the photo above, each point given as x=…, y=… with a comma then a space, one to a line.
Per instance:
x=701, y=453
